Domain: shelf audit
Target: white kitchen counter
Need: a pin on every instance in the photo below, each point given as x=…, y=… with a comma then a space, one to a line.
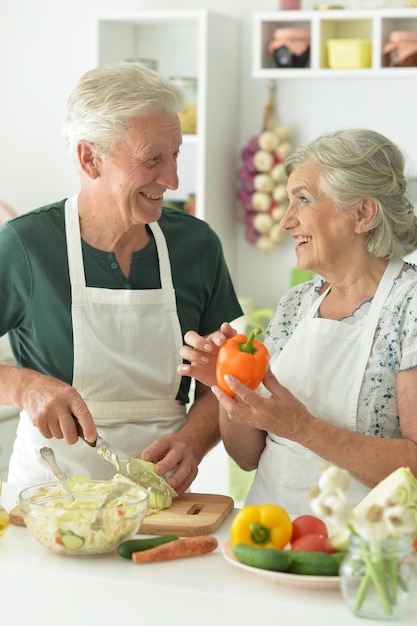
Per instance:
x=45, y=589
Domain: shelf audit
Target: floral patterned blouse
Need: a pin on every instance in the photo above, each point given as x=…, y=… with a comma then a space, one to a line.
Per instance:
x=394, y=348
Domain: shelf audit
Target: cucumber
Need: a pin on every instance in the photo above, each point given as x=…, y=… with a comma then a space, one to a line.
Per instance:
x=126, y=548
x=263, y=558
x=313, y=563
x=71, y=541
x=291, y=561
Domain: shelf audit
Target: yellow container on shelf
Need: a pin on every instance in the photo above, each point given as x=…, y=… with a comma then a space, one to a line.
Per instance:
x=349, y=53
x=188, y=117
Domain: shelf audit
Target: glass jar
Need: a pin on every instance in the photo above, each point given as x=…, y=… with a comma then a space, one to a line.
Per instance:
x=188, y=117
x=379, y=580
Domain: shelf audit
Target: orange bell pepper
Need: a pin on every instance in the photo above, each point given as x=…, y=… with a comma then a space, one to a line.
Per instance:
x=262, y=526
x=243, y=358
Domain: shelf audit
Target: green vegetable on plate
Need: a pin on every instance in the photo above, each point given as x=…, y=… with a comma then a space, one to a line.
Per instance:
x=290, y=561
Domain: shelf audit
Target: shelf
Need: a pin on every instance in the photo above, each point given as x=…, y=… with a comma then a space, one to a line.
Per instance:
x=204, y=45
x=9, y=418
x=373, y=25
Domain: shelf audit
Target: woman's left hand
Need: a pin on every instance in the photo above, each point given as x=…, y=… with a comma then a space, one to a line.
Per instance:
x=175, y=459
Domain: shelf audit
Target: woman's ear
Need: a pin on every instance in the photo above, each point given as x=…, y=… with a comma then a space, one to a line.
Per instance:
x=88, y=159
x=366, y=213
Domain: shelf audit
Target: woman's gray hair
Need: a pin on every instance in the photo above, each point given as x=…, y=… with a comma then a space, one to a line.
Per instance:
x=359, y=163
x=107, y=97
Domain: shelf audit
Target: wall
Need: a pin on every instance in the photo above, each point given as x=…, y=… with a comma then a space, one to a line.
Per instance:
x=45, y=46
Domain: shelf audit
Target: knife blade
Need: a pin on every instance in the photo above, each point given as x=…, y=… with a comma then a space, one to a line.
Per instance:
x=138, y=470
x=99, y=443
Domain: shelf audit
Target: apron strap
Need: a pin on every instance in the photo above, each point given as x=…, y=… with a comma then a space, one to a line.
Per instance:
x=164, y=264
x=390, y=274
x=74, y=250
x=75, y=257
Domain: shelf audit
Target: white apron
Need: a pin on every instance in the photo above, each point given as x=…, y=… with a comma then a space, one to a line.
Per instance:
x=126, y=353
x=323, y=365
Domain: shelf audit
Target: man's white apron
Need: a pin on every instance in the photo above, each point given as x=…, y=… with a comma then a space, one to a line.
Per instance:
x=126, y=353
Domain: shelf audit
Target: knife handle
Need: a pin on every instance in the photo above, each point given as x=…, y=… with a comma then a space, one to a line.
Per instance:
x=81, y=434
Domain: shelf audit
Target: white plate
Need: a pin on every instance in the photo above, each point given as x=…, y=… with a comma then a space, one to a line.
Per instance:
x=283, y=578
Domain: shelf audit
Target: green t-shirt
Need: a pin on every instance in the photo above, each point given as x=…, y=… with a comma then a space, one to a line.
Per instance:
x=36, y=293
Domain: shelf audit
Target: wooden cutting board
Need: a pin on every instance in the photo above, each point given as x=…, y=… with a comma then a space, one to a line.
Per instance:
x=191, y=514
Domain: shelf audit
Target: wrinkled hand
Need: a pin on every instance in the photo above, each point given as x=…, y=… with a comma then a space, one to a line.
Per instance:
x=201, y=352
x=281, y=413
x=174, y=458
x=50, y=405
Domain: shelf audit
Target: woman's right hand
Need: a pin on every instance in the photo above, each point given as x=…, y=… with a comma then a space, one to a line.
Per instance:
x=201, y=352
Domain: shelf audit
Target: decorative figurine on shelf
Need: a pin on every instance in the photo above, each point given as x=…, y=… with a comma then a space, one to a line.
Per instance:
x=401, y=49
x=290, y=47
x=290, y=5
x=262, y=198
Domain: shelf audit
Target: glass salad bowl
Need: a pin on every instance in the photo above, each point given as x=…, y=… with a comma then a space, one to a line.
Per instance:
x=102, y=515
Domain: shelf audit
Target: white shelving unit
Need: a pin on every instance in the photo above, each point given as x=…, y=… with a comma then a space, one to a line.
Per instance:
x=9, y=418
x=374, y=25
x=203, y=45
x=9, y=415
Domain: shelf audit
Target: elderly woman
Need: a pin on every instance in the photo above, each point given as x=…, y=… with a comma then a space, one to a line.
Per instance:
x=101, y=287
x=342, y=384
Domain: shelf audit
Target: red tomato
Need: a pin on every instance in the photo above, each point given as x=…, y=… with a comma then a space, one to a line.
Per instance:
x=308, y=525
x=313, y=543
x=415, y=543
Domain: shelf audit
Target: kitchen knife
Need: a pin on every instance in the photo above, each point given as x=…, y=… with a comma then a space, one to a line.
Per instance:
x=138, y=470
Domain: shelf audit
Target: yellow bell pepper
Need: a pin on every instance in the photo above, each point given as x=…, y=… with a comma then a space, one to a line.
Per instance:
x=263, y=526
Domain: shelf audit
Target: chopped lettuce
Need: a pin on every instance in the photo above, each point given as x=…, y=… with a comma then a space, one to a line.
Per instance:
x=144, y=474
x=55, y=520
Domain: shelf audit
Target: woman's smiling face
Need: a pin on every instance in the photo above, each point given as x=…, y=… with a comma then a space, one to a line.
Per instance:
x=323, y=235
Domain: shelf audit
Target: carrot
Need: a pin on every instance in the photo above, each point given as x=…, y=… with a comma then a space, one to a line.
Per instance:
x=178, y=549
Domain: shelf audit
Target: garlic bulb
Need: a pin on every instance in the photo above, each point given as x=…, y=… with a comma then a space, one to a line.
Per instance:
x=262, y=198
x=263, y=160
x=284, y=150
x=278, y=174
x=280, y=193
x=263, y=223
x=268, y=140
x=265, y=243
x=263, y=182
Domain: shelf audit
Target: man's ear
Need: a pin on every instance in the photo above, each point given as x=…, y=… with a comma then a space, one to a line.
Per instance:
x=88, y=159
x=366, y=213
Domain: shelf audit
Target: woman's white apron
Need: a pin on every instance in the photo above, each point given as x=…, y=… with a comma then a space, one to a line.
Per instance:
x=323, y=365
x=126, y=353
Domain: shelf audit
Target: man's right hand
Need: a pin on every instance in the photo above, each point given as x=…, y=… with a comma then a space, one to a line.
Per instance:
x=49, y=403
